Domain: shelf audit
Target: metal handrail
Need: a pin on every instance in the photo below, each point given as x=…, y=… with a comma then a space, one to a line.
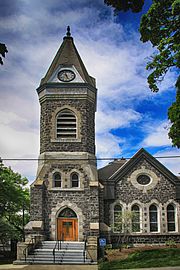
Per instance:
x=84, y=251
x=54, y=250
x=58, y=244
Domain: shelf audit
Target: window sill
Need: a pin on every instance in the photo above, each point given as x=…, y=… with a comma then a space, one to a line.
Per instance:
x=65, y=140
x=66, y=189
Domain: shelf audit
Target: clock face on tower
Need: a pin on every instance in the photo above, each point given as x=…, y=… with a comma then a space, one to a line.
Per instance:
x=66, y=75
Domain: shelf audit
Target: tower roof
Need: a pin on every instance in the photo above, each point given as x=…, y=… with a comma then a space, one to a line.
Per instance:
x=67, y=56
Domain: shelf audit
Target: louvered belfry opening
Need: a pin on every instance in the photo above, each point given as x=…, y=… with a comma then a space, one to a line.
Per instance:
x=66, y=125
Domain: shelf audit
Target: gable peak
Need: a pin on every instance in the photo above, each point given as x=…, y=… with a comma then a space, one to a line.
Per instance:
x=68, y=56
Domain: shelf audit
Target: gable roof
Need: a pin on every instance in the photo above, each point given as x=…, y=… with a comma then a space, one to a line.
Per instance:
x=106, y=172
x=143, y=154
x=67, y=55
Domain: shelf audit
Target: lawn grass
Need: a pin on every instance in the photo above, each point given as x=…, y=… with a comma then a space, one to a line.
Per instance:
x=146, y=258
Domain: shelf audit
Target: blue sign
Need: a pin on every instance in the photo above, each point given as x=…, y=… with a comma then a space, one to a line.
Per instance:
x=102, y=242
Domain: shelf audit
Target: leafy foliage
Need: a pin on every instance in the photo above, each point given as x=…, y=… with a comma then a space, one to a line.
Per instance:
x=161, y=26
x=125, y=5
x=14, y=200
x=174, y=117
x=3, y=51
x=124, y=223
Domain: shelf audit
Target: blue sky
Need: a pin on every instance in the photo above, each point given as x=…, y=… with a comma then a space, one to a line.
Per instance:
x=128, y=115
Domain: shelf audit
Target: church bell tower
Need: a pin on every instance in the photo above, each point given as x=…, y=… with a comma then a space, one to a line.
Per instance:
x=64, y=196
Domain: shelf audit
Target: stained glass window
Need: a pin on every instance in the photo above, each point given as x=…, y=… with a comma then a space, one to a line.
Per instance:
x=67, y=213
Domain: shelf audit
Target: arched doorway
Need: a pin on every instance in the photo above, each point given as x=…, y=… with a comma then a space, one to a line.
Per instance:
x=67, y=225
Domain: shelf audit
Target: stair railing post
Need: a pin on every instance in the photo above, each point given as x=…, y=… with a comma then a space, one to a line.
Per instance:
x=84, y=251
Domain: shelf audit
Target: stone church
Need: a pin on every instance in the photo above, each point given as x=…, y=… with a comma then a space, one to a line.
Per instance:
x=71, y=198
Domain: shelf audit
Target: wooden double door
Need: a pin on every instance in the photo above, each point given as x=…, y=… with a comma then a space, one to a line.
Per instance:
x=67, y=229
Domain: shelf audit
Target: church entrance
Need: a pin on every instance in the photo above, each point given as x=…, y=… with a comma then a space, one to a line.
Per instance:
x=67, y=225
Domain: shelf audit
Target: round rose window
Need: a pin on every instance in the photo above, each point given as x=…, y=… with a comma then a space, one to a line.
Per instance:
x=143, y=179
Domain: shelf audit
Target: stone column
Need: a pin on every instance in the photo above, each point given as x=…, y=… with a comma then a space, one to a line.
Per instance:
x=21, y=247
x=92, y=248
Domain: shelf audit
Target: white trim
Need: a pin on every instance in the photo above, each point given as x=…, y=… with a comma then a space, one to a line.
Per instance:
x=177, y=210
x=133, y=179
x=159, y=216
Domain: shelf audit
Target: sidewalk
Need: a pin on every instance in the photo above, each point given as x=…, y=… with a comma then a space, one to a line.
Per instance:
x=48, y=267
x=158, y=268
x=71, y=267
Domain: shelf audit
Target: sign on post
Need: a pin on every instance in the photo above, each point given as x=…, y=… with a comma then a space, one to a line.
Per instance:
x=102, y=242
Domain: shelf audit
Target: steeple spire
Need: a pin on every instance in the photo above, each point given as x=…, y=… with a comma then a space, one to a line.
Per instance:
x=68, y=34
x=68, y=56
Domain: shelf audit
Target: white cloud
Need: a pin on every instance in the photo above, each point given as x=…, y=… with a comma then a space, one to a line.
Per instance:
x=113, y=119
x=107, y=146
x=173, y=164
x=158, y=135
x=18, y=143
x=15, y=144
x=115, y=60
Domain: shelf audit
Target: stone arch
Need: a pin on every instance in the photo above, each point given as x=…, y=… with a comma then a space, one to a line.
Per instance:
x=81, y=177
x=53, y=123
x=56, y=170
x=55, y=212
x=177, y=215
x=111, y=214
x=159, y=212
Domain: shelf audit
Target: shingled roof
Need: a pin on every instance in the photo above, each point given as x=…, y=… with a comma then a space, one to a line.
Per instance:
x=106, y=172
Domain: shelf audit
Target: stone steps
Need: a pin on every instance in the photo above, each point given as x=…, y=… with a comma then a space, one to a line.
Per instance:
x=71, y=253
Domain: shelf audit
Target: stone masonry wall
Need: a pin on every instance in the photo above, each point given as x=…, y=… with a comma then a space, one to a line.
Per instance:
x=101, y=205
x=125, y=192
x=85, y=199
x=162, y=192
x=37, y=203
x=87, y=132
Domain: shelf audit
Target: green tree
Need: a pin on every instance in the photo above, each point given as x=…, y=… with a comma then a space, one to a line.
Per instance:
x=14, y=204
x=174, y=117
x=125, y=223
x=125, y=5
x=3, y=51
x=160, y=26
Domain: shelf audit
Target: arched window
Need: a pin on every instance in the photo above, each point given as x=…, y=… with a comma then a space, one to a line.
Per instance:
x=153, y=218
x=67, y=213
x=117, y=218
x=74, y=180
x=66, y=125
x=135, y=218
x=171, y=218
x=57, y=179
